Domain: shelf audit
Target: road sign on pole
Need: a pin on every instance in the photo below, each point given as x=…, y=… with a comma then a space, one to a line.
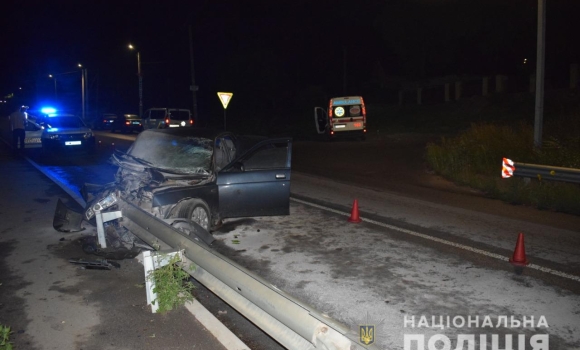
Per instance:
x=225, y=98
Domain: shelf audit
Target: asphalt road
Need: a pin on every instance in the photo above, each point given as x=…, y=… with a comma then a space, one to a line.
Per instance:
x=425, y=247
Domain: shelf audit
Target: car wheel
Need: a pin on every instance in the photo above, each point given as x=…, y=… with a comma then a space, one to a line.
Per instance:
x=197, y=211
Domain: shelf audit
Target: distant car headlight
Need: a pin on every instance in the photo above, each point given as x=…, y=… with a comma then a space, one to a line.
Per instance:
x=88, y=135
x=53, y=137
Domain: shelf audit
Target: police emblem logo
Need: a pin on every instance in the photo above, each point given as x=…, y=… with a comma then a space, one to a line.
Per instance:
x=367, y=334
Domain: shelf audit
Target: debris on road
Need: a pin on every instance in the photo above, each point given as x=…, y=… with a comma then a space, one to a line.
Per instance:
x=95, y=264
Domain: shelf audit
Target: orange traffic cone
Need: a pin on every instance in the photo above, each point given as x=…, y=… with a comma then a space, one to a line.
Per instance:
x=354, y=213
x=519, y=257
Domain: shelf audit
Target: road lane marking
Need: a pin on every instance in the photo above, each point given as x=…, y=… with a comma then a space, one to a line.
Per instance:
x=442, y=241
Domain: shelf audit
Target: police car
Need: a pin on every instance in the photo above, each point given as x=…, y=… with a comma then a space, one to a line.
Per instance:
x=66, y=132
x=33, y=134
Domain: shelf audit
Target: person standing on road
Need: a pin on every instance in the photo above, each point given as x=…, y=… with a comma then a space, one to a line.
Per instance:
x=18, y=121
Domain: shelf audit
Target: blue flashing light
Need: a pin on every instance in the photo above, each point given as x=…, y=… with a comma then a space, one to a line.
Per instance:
x=48, y=110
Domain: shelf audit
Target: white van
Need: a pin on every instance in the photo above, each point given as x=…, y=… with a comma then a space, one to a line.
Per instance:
x=161, y=118
x=345, y=117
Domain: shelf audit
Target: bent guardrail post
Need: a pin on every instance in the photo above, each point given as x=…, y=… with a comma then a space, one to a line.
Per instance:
x=101, y=218
x=289, y=321
x=540, y=172
x=151, y=262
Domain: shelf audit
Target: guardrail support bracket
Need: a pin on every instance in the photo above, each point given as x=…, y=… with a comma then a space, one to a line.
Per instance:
x=101, y=219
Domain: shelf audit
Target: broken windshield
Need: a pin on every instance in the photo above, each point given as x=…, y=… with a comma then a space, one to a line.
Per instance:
x=181, y=154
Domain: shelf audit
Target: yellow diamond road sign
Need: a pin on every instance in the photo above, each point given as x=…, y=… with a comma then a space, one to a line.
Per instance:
x=225, y=97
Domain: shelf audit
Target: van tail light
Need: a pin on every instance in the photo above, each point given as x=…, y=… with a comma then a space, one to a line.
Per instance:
x=191, y=121
x=127, y=123
x=167, y=121
x=330, y=109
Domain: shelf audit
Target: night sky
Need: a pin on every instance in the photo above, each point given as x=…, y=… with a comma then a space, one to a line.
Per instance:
x=270, y=54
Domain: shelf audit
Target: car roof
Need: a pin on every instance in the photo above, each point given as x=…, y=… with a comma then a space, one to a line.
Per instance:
x=194, y=132
x=243, y=142
x=169, y=108
x=54, y=115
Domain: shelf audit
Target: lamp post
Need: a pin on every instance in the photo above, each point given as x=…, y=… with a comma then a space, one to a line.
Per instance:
x=83, y=72
x=140, y=81
x=55, y=94
x=84, y=86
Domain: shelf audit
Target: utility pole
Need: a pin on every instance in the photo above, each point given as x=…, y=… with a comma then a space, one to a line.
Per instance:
x=97, y=104
x=86, y=91
x=83, y=93
x=344, y=70
x=539, y=116
x=193, y=86
x=140, y=84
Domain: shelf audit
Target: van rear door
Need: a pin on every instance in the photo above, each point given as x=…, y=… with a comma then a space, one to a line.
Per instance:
x=320, y=119
x=179, y=118
x=347, y=114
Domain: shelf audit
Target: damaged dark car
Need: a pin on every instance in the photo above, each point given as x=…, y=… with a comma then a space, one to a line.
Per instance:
x=197, y=176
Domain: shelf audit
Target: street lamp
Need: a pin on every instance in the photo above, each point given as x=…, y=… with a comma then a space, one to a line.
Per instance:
x=83, y=74
x=84, y=86
x=140, y=81
x=55, y=94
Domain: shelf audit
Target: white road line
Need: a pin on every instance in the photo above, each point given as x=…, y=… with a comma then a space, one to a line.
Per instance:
x=442, y=241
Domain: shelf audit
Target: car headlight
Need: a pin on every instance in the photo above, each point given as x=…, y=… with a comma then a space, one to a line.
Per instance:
x=103, y=204
x=88, y=135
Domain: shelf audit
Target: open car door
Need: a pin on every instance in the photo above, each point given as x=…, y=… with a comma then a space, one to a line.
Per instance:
x=320, y=119
x=258, y=182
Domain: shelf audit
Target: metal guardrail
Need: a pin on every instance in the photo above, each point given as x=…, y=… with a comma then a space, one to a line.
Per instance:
x=294, y=324
x=540, y=172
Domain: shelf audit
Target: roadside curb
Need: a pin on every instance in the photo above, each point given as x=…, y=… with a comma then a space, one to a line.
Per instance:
x=206, y=318
x=209, y=321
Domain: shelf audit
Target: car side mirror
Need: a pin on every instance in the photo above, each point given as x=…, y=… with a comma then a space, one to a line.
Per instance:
x=238, y=166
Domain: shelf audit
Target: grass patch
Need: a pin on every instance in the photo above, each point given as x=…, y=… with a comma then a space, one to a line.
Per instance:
x=474, y=158
x=5, y=343
x=172, y=285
